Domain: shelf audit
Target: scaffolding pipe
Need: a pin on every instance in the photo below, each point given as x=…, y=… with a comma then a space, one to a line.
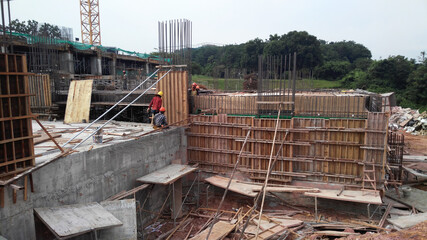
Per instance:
x=122, y=110
x=102, y=115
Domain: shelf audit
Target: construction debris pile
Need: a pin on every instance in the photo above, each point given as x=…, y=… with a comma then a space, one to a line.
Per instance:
x=410, y=120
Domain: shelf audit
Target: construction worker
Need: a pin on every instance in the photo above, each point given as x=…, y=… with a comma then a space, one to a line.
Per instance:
x=155, y=105
x=194, y=89
x=160, y=119
x=197, y=90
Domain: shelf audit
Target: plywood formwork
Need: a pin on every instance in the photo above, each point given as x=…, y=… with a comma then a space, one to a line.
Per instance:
x=78, y=101
x=175, y=95
x=323, y=150
x=16, y=135
x=352, y=106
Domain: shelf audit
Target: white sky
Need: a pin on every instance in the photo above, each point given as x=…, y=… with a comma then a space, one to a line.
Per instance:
x=386, y=27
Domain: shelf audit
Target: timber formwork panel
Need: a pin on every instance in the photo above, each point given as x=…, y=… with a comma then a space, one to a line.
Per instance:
x=16, y=137
x=40, y=87
x=311, y=105
x=323, y=150
x=175, y=95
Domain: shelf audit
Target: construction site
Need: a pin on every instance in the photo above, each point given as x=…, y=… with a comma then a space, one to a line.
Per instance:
x=79, y=158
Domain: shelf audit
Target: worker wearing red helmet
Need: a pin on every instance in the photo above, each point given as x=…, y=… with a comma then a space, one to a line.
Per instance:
x=160, y=119
x=155, y=105
x=194, y=91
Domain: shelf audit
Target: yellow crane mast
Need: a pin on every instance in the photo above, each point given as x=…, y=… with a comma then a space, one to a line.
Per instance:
x=90, y=24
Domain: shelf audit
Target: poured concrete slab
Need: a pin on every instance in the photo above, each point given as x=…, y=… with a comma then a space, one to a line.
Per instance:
x=348, y=196
x=167, y=175
x=73, y=220
x=417, y=198
x=408, y=221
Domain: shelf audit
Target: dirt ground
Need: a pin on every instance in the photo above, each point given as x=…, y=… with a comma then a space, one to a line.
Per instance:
x=417, y=232
x=235, y=201
x=415, y=145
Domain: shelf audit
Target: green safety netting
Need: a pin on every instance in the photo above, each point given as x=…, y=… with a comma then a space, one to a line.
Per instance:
x=31, y=39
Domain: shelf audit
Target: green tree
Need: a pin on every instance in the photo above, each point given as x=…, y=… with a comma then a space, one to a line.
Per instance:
x=332, y=70
x=48, y=30
x=305, y=45
x=416, y=91
x=251, y=50
x=391, y=72
x=345, y=51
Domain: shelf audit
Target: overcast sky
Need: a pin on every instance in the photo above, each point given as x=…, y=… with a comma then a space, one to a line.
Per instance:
x=386, y=27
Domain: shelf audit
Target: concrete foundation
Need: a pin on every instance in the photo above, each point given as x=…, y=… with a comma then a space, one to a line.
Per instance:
x=92, y=176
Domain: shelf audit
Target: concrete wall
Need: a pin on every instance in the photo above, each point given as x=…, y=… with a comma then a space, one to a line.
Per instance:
x=91, y=177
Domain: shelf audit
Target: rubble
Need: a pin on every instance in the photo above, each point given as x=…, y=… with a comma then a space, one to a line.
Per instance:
x=409, y=120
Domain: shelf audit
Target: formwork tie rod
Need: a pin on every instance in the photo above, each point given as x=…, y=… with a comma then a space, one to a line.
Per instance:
x=93, y=133
x=111, y=108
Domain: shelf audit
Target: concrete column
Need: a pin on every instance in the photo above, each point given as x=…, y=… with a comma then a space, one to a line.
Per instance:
x=113, y=66
x=95, y=65
x=177, y=199
x=147, y=67
x=67, y=63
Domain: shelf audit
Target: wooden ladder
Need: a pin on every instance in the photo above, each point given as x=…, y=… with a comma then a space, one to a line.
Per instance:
x=369, y=177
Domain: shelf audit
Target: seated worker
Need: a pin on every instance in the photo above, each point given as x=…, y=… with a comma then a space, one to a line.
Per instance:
x=155, y=105
x=160, y=119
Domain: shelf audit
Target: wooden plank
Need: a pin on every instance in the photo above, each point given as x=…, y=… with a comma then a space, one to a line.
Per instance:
x=78, y=101
x=73, y=220
x=219, y=231
x=167, y=175
x=348, y=196
x=235, y=186
x=334, y=233
x=251, y=190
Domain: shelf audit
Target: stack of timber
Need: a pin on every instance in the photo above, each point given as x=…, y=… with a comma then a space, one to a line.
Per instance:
x=351, y=106
x=322, y=150
x=16, y=134
x=41, y=100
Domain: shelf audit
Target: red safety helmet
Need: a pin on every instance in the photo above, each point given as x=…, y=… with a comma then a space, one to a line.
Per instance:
x=197, y=87
x=162, y=109
x=194, y=84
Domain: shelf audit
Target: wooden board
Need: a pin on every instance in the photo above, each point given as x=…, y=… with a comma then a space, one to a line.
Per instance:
x=219, y=231
x=241, y=188
x=349, y=196
x=167, y=175
x=252, y=190
x=74, y=220
x=78, y=101
x=175, y=95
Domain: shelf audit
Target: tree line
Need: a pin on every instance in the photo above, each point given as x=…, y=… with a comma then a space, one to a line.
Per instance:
x=33, y=27
x=347, y=62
